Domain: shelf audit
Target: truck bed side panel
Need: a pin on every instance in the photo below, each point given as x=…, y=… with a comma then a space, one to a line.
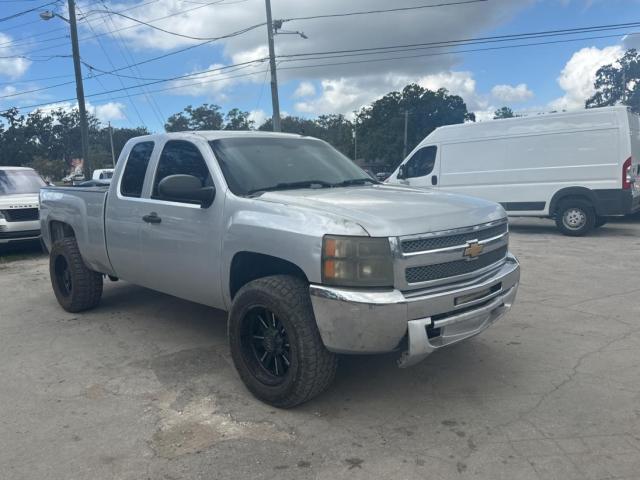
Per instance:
x=83, y=210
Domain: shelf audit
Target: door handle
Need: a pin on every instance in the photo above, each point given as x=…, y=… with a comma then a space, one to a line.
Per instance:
x=152, y=218
x=434, y=180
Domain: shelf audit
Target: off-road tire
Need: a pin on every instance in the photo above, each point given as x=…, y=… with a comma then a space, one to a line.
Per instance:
x=312, y=367
x=576, y=205
x=86, y=285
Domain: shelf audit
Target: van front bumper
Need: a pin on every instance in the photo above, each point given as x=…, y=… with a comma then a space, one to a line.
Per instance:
x=19, y=231
x=365, y=322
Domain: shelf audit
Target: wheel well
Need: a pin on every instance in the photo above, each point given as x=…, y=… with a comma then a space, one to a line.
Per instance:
x=249, y=266
x=60, y=230
x=572, y=193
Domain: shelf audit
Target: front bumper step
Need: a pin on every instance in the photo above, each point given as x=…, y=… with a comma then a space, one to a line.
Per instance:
x=452, y=328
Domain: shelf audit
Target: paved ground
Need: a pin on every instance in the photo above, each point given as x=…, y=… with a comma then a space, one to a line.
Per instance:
x=143, y=386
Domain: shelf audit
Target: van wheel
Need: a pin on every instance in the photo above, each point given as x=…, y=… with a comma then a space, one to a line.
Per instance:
x=575, y=217
x=600, y=221
x=275, y=343
x=76, y=287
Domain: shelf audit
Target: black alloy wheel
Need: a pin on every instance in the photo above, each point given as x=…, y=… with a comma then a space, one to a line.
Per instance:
x=265, y=345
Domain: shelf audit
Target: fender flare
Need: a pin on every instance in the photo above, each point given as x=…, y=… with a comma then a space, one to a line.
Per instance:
x=572, y=192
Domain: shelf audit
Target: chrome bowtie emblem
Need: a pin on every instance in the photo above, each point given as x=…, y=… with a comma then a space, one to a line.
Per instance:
x=473, y=250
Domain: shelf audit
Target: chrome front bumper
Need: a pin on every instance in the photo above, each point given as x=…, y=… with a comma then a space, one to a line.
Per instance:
x=356, y=321
x=19, y=231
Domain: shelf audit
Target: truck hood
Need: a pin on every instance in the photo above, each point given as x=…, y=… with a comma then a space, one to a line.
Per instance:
x=386, y=210
x=28, y=200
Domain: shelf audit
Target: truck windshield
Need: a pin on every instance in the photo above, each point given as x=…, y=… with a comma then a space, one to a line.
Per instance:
x=15, y=182
x=252, y=165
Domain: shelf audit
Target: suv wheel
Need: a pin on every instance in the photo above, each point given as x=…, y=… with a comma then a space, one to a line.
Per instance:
x=575, y=217
x=76, y=287
x=275, y=343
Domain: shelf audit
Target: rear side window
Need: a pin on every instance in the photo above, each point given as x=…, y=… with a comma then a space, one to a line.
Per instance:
x=422, y=162
x=180, y=157
x=135, y=170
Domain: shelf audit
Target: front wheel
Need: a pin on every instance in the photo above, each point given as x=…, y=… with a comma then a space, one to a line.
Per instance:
x=275, y=343
x=76, y=287
x=575, y=217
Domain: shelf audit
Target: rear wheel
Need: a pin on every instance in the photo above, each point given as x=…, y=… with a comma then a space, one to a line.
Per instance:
x=275, y=343
x=575, y=217
x=76, y=287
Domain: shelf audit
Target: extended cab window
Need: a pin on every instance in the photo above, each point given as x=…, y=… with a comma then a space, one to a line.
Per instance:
x=421, y=163
x=180, y=157
x=135, y=170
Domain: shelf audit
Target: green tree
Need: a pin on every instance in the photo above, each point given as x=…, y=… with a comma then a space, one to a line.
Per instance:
x=381, y=125
x=334, y=129
x=236, y=119
x=618, y=83
x=205, y=117
x=504, y=112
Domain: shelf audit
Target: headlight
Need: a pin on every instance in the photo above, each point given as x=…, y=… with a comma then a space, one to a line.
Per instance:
x=356, y=262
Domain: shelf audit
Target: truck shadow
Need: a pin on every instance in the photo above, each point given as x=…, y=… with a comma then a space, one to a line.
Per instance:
x=192, y=334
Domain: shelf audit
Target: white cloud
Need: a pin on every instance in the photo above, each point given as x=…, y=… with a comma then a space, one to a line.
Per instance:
x=343, y=95
x=631, y=41
x=108, y=111
x=258, y=117
x=442, y=23
x=305, y=89
x=11, y=67
x=511, y=94
x=104, y=112
x=578, y=75
x=457, y=83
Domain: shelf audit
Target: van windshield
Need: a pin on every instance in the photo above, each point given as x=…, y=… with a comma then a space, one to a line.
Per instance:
x=252, y=165
x=16, y=182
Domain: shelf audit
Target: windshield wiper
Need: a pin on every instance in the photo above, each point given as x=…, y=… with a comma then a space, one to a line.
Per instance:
x=356, y=181
x=291, y=186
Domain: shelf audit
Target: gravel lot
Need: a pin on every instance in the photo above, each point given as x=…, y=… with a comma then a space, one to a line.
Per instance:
x=143, y=387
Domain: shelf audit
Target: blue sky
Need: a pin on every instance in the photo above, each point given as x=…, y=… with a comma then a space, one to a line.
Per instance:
x=528, y=79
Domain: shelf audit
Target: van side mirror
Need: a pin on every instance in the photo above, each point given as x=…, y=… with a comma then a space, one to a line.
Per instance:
x=186, y=188
x=402, y=174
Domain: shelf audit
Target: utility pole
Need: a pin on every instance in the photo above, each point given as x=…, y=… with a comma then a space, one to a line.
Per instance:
x=275, y=102
x=113, y=154
x=84, y=127
x=406, y=125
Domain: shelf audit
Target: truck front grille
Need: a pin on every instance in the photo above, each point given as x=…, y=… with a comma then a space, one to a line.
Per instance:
x=440, y=271
x=433, y=243
x=21, y=214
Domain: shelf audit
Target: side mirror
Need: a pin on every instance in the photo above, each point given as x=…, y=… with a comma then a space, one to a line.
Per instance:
x=402, y=174
x=186, y=188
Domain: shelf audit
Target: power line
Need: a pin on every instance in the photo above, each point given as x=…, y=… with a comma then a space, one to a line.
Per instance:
x=104, y=50
x=195, y=75
x=481, y=40
x=180, y=12
x=29, y=38
x=439, y=53
x=319, y=57
x=24, y=12
x=169, y=32
x=124, y=51
x=387, y=10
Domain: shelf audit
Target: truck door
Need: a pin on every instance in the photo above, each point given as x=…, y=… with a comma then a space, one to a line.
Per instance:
x=422, y=168
x=180, y=240
x=123, y=212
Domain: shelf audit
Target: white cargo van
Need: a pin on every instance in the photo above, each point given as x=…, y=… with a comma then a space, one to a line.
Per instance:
x=576, y=167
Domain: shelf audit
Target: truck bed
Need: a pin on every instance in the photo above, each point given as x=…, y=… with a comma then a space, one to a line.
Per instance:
x=83, y=209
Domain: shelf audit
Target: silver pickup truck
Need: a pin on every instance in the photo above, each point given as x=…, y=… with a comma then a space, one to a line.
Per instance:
x=310, y=256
